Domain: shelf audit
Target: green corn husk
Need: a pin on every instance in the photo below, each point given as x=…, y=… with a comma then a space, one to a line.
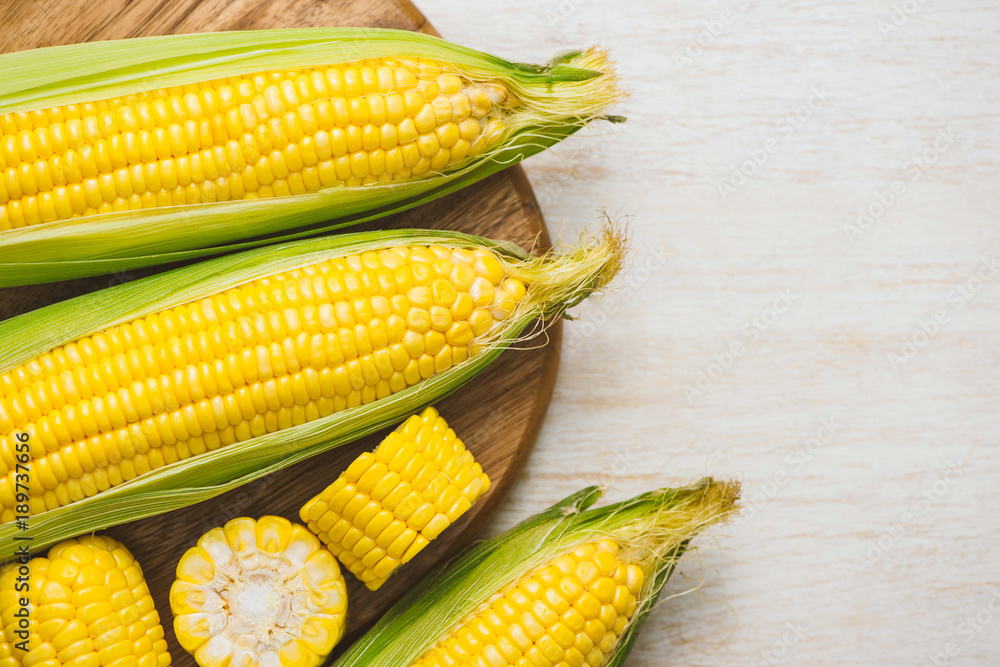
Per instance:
x=562, y=281
x=556, y=100
x=656, y=528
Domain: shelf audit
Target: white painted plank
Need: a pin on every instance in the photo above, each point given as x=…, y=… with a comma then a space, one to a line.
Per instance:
x=785, y=586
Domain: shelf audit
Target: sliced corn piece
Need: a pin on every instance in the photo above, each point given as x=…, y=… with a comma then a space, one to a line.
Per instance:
x=389, y=504
x=86, y=605
x=261, y=592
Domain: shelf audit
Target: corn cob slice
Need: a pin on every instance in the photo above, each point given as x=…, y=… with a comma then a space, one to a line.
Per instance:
x=388, y=505
x=225, y=371
x=569, y=587
x=261, y=592
x=88, y=606
x=273, y=129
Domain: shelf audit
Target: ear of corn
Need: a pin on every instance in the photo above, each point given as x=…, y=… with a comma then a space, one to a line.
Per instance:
x=116, y=155
x=88, y=606
x=389, y=504
x=261, y=593
x=166, y=391
x=570, y=586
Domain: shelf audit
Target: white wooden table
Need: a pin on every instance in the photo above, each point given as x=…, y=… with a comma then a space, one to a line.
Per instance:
x=817, y=182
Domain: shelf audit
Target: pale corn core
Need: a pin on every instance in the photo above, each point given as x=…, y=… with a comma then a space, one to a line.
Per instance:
x=262, y=135
x=570, y=612
x=89, y=606
x=259, y=593
x=267, y=355
x=389, y=504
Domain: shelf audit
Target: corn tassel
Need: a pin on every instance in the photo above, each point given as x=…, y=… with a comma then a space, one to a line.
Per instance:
x=179, y=387
x=570, y=586
x=117, y=155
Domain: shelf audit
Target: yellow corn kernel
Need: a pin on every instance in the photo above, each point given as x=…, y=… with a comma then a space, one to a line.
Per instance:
x=399, y=497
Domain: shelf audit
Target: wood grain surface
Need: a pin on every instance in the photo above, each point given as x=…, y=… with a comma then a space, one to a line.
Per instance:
x=859, y=547
x=498, y=414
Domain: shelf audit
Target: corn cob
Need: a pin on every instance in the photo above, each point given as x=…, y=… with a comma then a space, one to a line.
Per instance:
x=88, y=606
x=280, y=351
x=261, y=592
x=571, y=611
x=569, y=587
x=273, y=129
x=263, y=135
x=221, y=371
x=388, y=505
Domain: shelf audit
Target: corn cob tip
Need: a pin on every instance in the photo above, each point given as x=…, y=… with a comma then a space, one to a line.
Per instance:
x=586, y=86
x=683, y=513
x=598, y=59
x=608, y=86
x=590, y=97
x=564, y=277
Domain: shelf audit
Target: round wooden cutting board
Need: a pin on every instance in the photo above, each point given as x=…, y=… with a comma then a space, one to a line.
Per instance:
x=498, y=414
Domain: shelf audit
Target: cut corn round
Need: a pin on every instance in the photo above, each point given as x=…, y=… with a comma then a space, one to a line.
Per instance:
x=88, y=606
x=237, y=367
x=261, y=592
x=569, y=587
x=203, y=141
x=389, y=504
